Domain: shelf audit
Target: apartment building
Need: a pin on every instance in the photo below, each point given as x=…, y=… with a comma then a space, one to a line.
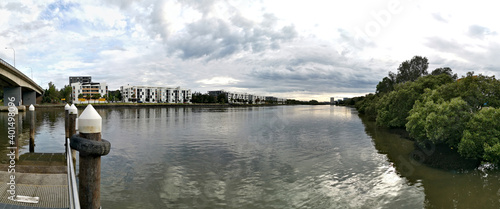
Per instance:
x=240, y=98
x=81, y=92
x=80, y=79
x=151, y=94
x=275, y=100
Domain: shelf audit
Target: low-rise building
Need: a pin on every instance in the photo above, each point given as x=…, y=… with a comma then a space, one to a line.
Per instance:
x=80, y=79
x=83, y=92
x=151, y=94
x=244, y=98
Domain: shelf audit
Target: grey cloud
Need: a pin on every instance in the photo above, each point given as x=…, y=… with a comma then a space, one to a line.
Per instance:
x=216, y=38
x=17, y=6
x=444, y=45
x=157, y=24
x=439, y=17
x=320, y=73
x=477, y=31
x=205, y=6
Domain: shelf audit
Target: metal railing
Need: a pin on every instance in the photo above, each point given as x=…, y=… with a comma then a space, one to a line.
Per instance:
x=20, y=74
x=74, y=201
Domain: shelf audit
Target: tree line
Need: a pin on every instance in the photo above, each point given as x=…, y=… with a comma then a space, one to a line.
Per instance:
x=54, y=96
x=439, y=108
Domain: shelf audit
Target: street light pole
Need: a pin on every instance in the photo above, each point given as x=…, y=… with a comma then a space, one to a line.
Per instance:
x=14, y=54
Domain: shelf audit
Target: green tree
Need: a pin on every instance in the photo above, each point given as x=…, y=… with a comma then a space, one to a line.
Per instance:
x=96, y=96
x=440, y=122
x=386, y=85
x=481, y=139
x=221, y=98
x=66, y=93
x=445, y=70
x=50, y=95
x=394, y=107
x=412, y=70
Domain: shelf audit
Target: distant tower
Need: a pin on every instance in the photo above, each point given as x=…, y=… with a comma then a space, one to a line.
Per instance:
x=332, y=100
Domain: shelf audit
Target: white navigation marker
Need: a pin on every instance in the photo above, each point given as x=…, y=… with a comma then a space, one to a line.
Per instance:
x=31, y=108
x=89, y=121
x=72, y=109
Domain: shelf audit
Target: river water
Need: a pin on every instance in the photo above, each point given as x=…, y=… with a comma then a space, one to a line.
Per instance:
x=262, y=157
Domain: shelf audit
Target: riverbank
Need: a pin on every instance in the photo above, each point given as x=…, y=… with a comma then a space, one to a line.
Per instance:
x=140, y=105
x=437, y=156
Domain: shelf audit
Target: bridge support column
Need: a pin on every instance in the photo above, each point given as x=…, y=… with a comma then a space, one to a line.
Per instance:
x=12, y=92
x=29, y=98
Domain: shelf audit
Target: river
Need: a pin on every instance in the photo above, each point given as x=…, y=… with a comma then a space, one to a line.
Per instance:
x=262, y=157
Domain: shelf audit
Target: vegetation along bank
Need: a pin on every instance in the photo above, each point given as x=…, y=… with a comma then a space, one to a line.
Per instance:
x=439, y=108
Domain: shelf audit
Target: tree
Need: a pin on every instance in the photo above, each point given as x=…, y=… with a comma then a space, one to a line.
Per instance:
x=96, y=96
x=394, y=107
x=386, y=85
x=481, y=139
x=222, y=98
x=445, y=70
x=412, y=70
x=440, y=122
x=50, y=95
x=66, y=93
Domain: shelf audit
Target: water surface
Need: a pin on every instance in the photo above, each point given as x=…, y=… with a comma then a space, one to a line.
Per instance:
x=264, y=157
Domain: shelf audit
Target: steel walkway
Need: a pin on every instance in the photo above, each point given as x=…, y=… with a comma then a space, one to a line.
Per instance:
x=44, y=180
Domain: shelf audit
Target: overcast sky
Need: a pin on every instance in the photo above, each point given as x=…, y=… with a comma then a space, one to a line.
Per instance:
x=293, y=49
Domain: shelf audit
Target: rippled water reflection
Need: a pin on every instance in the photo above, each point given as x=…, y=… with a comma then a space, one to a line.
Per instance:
x=265, y=157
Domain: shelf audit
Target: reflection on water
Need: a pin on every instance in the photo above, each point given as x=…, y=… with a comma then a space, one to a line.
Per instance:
x=264, y=157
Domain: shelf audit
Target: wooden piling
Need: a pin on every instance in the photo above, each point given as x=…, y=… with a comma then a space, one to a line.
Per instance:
x=72, y=114
x=89, y=126
x=32, y=128
x=66, y=118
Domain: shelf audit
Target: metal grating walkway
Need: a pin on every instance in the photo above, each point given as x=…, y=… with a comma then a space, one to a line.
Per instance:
x=52, y=189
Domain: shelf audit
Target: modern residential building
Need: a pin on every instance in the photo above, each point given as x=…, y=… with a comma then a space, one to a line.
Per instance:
x=275, y=100
x=150, y=94
x=80, y=79
x=82, y=92
x=244, y=98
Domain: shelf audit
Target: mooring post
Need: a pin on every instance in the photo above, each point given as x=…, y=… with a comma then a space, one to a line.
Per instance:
x=32, y=128
x=66, y=125
x=18, y=129
x=91, y=147
x=72, y=114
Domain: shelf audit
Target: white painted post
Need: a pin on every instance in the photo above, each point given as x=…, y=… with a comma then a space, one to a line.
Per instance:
x=90, y=123
x=32, y=128
x=76, y=122
x=72, y=114
x=66, y=115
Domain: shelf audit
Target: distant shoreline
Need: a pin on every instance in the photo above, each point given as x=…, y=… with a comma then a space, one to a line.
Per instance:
x=139, y=105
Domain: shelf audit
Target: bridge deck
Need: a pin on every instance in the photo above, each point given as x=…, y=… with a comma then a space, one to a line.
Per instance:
x=40, y=175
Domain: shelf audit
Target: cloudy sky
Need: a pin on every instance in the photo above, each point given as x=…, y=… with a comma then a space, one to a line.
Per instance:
x=293, y=49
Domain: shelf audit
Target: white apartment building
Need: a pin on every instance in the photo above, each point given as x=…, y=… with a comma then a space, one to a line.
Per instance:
x=150, y=94
x=81, y=91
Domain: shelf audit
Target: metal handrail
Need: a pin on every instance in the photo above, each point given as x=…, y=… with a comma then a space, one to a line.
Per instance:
x=74, y=201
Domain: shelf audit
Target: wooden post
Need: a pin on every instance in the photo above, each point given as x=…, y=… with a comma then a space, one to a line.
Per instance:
x=90, y=123
x=32, y=128
x=18, y=129
x=66, y=125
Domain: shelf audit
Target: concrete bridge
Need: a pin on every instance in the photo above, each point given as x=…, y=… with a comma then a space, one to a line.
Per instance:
x=16, y=84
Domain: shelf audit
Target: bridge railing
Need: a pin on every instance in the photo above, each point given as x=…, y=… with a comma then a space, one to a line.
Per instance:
x=20, y=73
x=6, y=63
